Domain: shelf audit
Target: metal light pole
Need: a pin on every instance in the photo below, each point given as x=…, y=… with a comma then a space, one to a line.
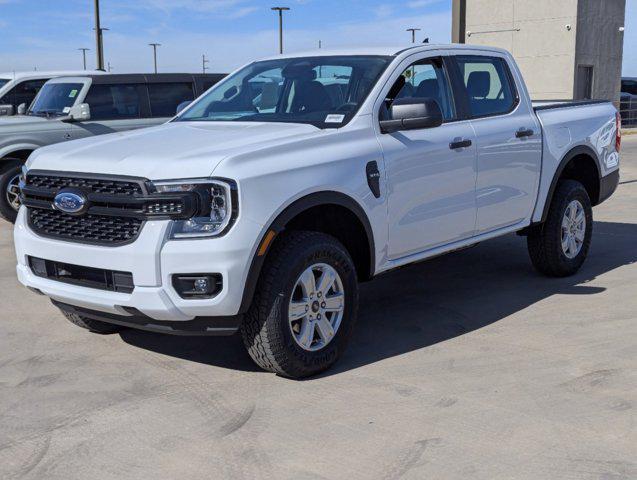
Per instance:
x=280, y=10
x=99, y=51
x=155, y=45
x=413, y=33
x=84, y=50
x=204, y=62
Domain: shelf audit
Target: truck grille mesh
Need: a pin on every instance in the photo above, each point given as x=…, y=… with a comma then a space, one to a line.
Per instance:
x=115, y=215
x=95, y=185
x=99, y=229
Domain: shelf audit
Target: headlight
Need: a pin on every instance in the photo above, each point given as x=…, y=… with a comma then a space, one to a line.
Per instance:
x=217, y=207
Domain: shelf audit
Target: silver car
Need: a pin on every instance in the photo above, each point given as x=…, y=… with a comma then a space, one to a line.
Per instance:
x=70, y=108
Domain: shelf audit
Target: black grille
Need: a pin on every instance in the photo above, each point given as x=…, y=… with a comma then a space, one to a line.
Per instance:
x=95, y=185
x=99, y=229
x=115, y=208
x=112, y=280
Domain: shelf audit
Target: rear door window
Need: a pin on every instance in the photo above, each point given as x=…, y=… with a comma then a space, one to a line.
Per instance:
x=488, y=85
x=165, y=97
x=114, y=102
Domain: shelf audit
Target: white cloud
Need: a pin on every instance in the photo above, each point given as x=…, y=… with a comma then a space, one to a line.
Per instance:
x=422, y=3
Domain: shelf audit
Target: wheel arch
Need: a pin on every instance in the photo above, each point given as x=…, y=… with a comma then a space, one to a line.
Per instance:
x=295, y=212
x=590, y=175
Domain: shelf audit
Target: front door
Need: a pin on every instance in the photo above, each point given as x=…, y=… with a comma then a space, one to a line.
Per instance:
x=431, y=173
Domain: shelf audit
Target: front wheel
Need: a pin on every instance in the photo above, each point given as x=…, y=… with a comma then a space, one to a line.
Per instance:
x=559, y=247
x=10, y=189
x=305, y=306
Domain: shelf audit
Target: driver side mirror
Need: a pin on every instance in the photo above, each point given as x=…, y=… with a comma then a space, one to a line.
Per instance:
x=6, y=110
x=22, y=109
x=412, y=114
x=79, y=113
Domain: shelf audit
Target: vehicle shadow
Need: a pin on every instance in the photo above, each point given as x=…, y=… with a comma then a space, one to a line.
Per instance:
x=430, y=302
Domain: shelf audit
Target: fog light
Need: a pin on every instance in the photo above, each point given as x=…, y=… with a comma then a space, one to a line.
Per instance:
x=197, y=285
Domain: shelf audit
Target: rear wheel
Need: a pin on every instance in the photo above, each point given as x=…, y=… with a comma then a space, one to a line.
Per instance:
x=559, y=247
x=94, y=326
x=10, y=189
x=305, y=306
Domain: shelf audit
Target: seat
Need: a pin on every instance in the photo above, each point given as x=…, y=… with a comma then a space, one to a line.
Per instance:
x=479, y=84
x=311, y=96
x=429, y=89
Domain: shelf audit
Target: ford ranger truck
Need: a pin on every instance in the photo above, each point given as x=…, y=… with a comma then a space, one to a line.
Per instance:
x=263, y=204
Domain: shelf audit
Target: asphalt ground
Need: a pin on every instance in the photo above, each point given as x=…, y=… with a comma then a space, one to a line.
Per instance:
x=469, y=366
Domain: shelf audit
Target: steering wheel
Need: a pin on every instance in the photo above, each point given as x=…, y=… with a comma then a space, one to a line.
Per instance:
x=347, y=107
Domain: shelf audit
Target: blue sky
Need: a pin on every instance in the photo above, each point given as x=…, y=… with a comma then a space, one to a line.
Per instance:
x=46, y=33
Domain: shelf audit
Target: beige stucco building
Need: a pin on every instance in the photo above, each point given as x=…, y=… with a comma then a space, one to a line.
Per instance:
x=566, y=49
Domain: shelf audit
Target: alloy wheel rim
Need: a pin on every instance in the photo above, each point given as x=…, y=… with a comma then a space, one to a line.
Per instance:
x=316, y=307
x=13, y=192
x=573, y=229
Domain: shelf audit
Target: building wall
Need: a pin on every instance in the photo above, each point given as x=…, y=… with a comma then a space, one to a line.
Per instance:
x=549, y=38
x=601, y=44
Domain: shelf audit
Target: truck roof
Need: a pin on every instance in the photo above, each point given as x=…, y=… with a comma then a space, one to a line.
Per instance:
x=391, y=51
x=140, y=77
x=43, y=74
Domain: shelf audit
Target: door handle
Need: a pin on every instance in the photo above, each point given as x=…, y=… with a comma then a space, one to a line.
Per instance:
x=524, y=132
x=460, y=144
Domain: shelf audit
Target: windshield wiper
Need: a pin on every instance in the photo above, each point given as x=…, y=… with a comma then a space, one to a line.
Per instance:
x=47, y=113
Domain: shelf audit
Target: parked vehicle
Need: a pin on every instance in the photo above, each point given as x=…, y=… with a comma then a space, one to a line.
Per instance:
x=628, y=101
x=69, y=108
x=20, y=88
x=261, y=206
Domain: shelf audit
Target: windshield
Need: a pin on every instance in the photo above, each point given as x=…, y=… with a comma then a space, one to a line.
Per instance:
x=322, y=91
x=55, y=99
x=3, y=82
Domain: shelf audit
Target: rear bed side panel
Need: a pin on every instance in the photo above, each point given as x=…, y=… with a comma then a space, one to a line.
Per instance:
x=590, y=127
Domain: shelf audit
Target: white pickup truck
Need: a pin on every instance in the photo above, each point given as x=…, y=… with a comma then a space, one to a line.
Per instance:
x=261, y=206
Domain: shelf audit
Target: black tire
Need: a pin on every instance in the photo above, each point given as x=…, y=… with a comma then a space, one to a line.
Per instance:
x=94, y=326
x=545, y=241
x=266, y=330
x=8, y=171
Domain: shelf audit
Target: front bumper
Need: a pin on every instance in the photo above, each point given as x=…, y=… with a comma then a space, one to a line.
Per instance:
x=153, y=261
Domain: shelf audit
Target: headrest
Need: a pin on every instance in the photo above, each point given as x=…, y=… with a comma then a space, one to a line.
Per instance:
x=299, y=71
x=479, y=84
x=428, y=89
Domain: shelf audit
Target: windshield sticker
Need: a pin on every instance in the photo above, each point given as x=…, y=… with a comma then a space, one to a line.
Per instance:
x=73, y=93
x=334, y=118
x=66, y=109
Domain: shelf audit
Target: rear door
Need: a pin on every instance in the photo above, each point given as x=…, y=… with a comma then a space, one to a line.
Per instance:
x=430, y=172
x=508, y=140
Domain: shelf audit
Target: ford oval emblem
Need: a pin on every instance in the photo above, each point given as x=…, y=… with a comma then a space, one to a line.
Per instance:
x=69, y=202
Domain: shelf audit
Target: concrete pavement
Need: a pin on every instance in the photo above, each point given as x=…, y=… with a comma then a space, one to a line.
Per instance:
x=470, y=366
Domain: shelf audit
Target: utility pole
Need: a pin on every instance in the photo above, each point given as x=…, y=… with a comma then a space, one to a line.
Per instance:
x=98, y=38
x=109, y=67
x=204, y=62
x=280, y=10
x=320, y=44
x=413, y=33
x=155, y=45
x=84, y=50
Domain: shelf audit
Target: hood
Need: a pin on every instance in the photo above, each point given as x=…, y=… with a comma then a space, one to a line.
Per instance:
x=172, y=150
x=21, y=121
